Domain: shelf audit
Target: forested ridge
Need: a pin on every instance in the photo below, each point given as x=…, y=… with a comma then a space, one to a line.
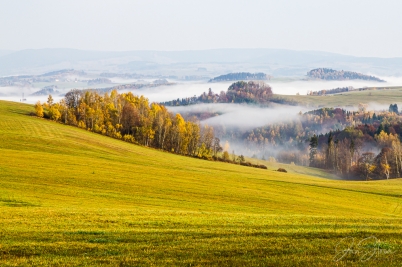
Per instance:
x=239, y=92
x=240, y=76
x=330, y=74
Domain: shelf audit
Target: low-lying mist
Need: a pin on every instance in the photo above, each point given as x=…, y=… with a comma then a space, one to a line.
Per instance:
x=302, y=87
x=180, y=90
x=188, y=89
x=242, y=116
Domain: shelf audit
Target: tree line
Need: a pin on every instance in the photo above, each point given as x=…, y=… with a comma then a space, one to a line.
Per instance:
x=131, y=118
x=331, y=91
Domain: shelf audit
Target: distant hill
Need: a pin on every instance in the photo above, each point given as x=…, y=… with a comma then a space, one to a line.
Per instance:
x=240, y=76
x=48, y=90
x=54, y=76
x=64, y=72
x=251, y=92
x=331, y=75
x=98, y=81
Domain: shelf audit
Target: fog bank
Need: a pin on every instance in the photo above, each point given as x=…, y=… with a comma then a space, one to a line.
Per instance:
x=241, y=115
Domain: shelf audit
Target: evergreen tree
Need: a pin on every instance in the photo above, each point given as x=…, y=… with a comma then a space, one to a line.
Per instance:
x=313, y=149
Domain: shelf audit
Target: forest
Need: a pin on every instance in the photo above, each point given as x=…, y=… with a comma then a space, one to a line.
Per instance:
x=240, y=76
x=239, y=92
x=330, y=74
x=359, y=144
x=364, y=152
x=133, y=119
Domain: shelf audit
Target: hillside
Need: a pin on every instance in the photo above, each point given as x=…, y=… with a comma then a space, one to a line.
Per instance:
x=71, y=197
x=378, y=95
x=334, y=75
x=240, y=76
x=251, y=92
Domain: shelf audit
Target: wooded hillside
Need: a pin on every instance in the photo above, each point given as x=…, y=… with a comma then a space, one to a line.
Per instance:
x=330, y=74
x=240, y=76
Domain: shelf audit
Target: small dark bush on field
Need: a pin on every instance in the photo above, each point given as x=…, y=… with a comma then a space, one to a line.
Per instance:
x=281, y=170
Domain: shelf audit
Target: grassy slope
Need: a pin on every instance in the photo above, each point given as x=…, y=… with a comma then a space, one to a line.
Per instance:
x=72, y=197
x=388, y=96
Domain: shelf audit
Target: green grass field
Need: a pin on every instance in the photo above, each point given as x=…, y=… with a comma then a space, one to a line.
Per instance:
x=69, y=197
x=381, y=96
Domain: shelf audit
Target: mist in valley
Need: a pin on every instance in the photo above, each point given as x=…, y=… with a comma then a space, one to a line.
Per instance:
x=227, y=119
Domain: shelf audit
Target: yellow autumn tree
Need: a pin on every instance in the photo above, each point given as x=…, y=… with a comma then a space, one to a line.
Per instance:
x=54, y=112
x=385, y=140
x=39, y=109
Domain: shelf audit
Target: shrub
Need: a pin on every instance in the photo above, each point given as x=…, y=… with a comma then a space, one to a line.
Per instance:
x=128, y=138
x=226, y=156
x=81, y=124
x=281, y=170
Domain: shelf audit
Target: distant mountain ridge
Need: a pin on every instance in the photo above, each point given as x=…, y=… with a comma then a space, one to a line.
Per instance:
x=334, y=75
x=272, y=61
x=5, y=52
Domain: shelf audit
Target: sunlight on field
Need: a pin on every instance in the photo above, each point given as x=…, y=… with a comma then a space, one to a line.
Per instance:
x=384, y=97
x=71, y=197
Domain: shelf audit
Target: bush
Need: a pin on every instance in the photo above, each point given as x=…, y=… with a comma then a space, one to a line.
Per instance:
x=281, y=170
x=129, y=138
x=226, y=156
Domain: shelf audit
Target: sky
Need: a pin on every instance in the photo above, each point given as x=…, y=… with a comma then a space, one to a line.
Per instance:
x=352, y=27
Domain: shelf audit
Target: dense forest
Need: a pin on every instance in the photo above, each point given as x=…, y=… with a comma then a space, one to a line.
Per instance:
x=132, y=119
x=240, y=76
x=330, y=74
x=239, y=92
x=368, y=151
x=344, y=142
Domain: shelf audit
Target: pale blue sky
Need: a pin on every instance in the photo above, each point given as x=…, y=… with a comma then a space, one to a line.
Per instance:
x=361, y=28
